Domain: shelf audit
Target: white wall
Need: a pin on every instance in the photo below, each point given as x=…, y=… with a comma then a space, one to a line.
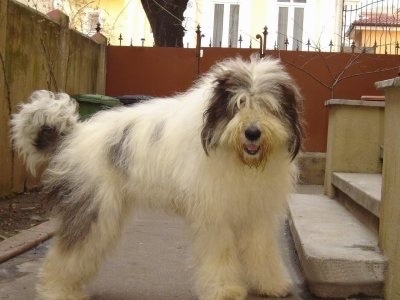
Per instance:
x=320, y=22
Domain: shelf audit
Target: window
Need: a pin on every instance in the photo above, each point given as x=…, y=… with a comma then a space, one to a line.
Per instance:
x=290, y=23
x=226, y=25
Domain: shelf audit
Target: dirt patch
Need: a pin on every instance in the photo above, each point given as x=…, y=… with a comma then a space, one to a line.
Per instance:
x=20, y=212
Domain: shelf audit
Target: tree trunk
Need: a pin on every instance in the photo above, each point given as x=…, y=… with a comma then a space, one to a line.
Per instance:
x=166, y=17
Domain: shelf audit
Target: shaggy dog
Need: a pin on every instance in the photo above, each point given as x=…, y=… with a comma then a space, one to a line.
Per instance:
x=221, y=155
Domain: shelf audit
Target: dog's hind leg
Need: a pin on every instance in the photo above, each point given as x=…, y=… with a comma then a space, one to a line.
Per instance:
x=218, y=270
x=88, y=228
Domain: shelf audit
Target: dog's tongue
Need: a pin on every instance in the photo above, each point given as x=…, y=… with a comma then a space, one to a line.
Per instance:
x=252, y=147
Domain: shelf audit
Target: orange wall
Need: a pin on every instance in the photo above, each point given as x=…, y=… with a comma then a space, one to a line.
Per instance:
x=321, y=76
x=149, y=71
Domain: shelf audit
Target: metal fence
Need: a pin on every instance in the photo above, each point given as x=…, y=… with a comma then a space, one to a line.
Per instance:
x=370, y=27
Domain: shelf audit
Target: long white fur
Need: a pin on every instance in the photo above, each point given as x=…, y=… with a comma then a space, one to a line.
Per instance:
x=234, y=211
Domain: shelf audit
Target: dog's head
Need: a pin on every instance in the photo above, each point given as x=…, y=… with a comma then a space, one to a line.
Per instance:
x=254, y=108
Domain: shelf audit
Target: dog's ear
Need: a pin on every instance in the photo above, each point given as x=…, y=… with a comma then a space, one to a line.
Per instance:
x=292, y=111
x=217, y=113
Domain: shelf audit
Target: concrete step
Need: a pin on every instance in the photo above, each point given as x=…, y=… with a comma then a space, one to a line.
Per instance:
x=339, y=255
x=364, y=189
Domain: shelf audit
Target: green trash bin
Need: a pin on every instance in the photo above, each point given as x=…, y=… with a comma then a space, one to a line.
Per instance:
x=89, y=104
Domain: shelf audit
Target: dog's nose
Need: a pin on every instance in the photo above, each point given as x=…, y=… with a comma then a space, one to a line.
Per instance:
x=252, y=133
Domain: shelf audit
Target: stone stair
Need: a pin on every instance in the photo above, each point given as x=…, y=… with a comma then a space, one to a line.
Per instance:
x=337, y=239
x=363, y=189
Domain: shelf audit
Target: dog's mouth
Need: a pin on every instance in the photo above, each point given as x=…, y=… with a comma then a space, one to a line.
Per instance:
x=251, y=149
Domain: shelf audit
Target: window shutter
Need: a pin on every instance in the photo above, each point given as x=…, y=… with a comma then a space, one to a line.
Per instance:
x=234, y=25
x=298, y=28
x=282, y=26
x=218, y=24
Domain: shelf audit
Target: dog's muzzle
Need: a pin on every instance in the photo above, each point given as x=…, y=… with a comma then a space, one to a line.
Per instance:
x=252, y=134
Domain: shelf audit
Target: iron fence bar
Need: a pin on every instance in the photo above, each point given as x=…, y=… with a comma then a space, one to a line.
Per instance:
x=265, y=33
x=286, y=43
x=343, y=33
x=259, y=37
x=199, y=36
x=397, y=23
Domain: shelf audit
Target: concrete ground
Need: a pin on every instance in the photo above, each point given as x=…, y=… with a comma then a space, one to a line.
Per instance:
x=150, y=263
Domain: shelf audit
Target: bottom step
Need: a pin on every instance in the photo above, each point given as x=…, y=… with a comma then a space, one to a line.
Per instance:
x=339, y=255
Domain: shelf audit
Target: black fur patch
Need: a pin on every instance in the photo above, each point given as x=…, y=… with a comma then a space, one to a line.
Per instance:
x=47, y=139
x=218, y=112
x=291, y=108
x=118, y=153
x=75, y=209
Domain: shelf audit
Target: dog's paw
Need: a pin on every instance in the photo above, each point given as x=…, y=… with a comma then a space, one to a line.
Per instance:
x=281, y=289
x=226, y=293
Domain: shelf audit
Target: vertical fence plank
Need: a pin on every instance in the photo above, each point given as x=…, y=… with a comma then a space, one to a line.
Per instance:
x=6, y=174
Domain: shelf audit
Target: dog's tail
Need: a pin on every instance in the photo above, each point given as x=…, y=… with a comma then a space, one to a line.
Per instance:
x=40, y=125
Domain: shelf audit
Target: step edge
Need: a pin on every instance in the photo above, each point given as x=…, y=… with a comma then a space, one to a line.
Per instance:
x=306, y=256
x=359, y=196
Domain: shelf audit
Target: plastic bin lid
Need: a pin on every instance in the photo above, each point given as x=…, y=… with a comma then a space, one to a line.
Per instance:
x=95, y=98
x=133, y=99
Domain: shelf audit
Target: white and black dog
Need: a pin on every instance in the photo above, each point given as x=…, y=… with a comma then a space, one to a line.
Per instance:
x=221, y=155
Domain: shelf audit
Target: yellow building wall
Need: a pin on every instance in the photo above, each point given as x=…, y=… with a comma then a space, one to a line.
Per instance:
x=258, y=16
x=122, y=17
x=126, y=19
x=385, y=40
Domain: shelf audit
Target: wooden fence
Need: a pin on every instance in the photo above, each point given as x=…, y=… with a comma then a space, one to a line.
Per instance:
x=37, y=52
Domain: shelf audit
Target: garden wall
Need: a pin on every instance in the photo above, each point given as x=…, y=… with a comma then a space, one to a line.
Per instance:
x=321, y=76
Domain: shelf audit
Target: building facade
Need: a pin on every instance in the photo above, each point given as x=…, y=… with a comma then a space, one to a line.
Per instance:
x=311, y=25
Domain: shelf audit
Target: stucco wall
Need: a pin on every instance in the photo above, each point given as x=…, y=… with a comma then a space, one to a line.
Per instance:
x=355, y=138
x=389, y=227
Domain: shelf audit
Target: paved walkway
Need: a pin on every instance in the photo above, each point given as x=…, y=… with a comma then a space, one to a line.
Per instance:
x=150, y=263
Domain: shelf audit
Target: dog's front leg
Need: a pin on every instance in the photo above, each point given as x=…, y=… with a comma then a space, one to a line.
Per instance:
x=262, y=259
x=217, y=267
